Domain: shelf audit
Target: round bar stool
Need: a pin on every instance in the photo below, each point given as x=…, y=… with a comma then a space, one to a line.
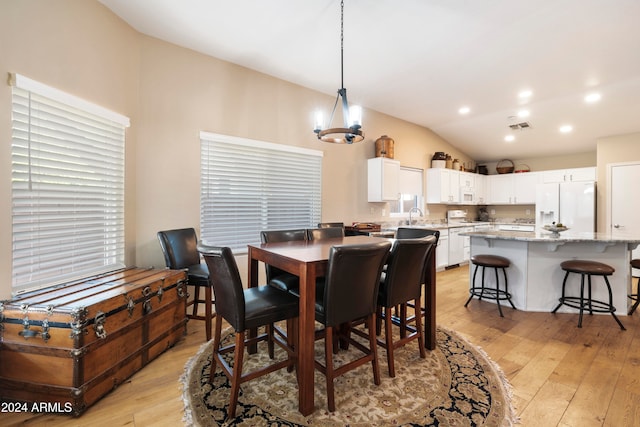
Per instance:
x=497, y=294
x=587, y=268
x=635, y=263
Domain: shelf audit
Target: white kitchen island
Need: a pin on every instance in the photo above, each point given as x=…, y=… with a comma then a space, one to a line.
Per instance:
x=535, y=277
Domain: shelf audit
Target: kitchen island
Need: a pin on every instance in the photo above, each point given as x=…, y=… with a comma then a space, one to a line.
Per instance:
x=535, y=277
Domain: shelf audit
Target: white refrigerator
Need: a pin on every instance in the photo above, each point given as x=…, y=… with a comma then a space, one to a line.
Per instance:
x=572, y=204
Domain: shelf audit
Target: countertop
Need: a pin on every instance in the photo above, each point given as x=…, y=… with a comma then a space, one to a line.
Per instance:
x=545, y=236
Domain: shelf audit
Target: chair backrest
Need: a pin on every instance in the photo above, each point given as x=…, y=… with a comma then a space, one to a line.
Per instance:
x=324, y=233
x=227, y=284
x=405, y=270
x=275, y=236
x=179, y=248
x=416, y=233
x=330, y=224
x=352, y=280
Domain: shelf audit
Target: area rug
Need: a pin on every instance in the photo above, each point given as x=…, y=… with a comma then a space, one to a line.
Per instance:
x=456, y=385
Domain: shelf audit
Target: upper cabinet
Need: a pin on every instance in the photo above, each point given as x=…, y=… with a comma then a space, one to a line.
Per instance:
x=513, y=189
x=569, y=175
x=443, y=186
x=384, y=179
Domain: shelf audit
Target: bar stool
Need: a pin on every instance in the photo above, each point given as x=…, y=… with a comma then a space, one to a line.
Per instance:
x=635, y=263
x=497, y=294
x=587, y=268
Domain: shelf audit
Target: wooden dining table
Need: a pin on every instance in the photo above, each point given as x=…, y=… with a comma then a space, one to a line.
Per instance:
x=309, y=260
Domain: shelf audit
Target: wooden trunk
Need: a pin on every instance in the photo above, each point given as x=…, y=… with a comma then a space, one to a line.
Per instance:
x=62, y=348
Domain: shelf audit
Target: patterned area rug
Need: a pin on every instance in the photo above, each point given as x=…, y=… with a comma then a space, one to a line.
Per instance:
x=456, y=385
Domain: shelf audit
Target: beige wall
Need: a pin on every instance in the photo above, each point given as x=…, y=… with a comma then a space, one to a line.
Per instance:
x=613, y=149
x=171, y=94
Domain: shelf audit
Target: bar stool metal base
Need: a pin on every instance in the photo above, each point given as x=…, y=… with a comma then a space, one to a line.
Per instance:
x=635, y=263
x=496, y=294
x=581, y=303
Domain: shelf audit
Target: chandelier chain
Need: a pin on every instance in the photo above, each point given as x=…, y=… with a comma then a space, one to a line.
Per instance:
x=342, y=43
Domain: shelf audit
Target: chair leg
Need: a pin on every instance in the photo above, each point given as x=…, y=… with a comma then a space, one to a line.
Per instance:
x=371, y=321
x=564, y=284
x=581, y=300
x=419, y=330
x=196, y=297
x=388, y=336
x=237, y=374
x=208, y=310
x=328, y=363
x=495, y=270
x=216, y=347
x=606, y=281
x=473, y=284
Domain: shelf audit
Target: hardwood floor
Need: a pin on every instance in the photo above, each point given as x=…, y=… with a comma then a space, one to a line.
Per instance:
x=561, y=375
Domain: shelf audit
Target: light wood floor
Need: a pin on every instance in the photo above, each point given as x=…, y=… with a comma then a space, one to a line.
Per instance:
x=561, y=375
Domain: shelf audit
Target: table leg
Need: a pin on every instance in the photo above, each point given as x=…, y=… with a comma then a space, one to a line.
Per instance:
x=430, y=305
x=306, y=338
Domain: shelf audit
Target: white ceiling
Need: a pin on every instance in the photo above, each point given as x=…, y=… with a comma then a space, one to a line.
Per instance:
x=421, y=60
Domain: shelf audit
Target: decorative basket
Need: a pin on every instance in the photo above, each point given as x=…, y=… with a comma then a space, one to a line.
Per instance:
x=502, y=167
x=523, y=168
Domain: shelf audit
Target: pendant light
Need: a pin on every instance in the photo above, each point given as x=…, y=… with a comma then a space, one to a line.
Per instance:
x=351, y=132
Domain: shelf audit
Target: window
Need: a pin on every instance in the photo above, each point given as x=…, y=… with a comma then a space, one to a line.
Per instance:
x=410, y=192
x=67, y=187
x=247, y=186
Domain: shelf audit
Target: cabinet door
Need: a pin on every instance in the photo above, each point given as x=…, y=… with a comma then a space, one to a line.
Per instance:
x=456, y=246
x=501, y=189
x=384, y=179
x=467, y=179
x=442, y=252
x=481, y=189
x=524, y=188
x=454, y=186
x=390, y=180
x=438, y=185
x=580, y=174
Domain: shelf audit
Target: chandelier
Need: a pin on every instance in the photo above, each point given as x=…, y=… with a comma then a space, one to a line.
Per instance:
x=351, y=132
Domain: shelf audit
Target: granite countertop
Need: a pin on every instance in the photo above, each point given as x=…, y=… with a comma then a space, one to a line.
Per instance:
x=546, y=237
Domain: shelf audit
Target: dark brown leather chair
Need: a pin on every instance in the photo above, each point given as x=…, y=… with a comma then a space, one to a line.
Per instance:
x=324, y=233
x=180, y=251
x=417, y=233
x=275, y=277
x=349, y=292
x=245, y=309
x=399, y=284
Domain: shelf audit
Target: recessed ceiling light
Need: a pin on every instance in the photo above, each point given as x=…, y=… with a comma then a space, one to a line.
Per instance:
x=525, y=94
x=464, y=110
x=566, y=128
x=509, y=138
x=523, y=113
x=592, y=97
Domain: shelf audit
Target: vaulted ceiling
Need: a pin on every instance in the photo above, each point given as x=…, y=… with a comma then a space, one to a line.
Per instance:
x=422, y=60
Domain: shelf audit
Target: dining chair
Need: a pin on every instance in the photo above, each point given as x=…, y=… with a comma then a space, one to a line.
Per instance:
x=400, y=284
x=179, y=247
x=416, y=233
x=276, y=277
x=246, y=309
x=349, y=292
x=324, y=233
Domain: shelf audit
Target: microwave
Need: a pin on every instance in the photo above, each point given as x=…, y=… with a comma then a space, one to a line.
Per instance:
x=467, y=195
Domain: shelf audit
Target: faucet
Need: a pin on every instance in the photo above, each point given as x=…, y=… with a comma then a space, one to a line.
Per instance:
x=411, y=211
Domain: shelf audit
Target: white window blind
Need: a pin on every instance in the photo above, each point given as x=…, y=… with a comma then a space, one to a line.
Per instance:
x=248, y=186
x=67, y=187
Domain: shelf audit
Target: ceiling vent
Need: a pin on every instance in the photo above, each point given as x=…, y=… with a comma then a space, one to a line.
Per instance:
x=520, y=126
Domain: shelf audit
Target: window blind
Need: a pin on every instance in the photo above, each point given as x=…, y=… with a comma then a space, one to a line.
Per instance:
x=67, y=190
x=248, y=186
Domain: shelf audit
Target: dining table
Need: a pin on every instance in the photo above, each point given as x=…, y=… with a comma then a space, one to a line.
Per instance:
x=309, y=259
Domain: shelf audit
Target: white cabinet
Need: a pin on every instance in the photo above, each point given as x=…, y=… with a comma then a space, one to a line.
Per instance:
x=467, y=184
x=510, y=189
x=569, y=175
x=443, y=186
x=384, y=179
x=442, y=250
x=459, y=246
x=481, y=189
